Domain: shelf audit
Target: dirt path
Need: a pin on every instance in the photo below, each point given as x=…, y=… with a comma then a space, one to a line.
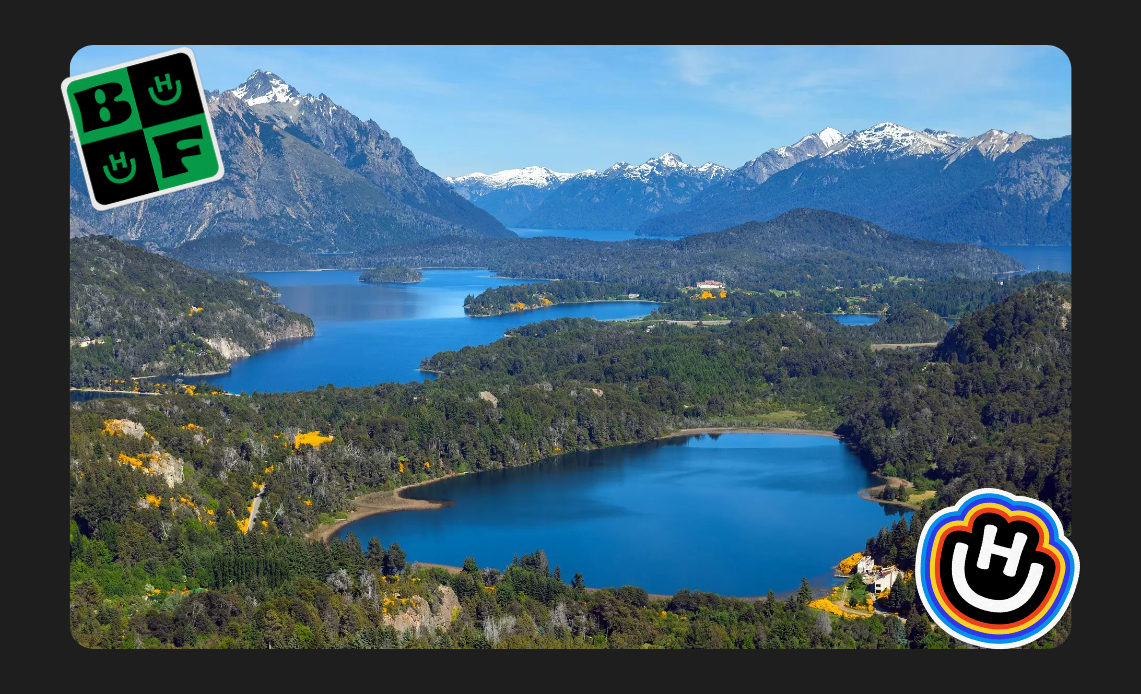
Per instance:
x=256, y=506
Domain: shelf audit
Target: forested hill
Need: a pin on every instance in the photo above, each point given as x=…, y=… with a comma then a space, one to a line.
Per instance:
x=991, y=408
x=150, y=315
x=400, y=275
x=800, y=249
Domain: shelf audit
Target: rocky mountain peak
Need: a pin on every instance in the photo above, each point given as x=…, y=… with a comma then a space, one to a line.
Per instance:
x=992, y=144
x=891, y=140
x=830, y=136
x=263, y=87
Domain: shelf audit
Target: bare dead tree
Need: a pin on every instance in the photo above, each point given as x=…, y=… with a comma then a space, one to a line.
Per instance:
x=558, y=623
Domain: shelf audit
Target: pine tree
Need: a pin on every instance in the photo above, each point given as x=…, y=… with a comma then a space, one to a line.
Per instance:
x=804, y=593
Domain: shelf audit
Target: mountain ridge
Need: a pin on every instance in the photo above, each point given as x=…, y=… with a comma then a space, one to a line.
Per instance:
x=300, y=170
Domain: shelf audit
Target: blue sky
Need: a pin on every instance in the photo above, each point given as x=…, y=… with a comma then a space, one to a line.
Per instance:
x=462, y=109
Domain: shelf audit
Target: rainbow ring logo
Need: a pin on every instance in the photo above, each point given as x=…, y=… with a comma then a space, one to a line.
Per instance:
x=995, y=570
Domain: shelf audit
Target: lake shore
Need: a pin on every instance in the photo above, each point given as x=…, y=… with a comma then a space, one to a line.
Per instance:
x=389, y=501
x=375, y=503
x=105, y=390
x=869, y=493
x=564, y=303
x=748, y=430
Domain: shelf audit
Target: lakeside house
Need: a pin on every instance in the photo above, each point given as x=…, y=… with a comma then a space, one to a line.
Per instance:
x=880, y=578
x=632, y=296
x=710, y=284
x=884, y=578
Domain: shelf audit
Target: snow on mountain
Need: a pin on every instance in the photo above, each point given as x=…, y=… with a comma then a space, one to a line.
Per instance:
x=945, y=137
x=665, y=165
x=830, y=136
x=781, y=158
x=891, y=140
x=534, y=176
x=991, y=144
x=265, y=88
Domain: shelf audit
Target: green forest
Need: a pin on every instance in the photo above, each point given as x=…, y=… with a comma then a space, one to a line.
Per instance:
x=402, y=275
x=801, y=249
x=161, y=487
x=947, y=297
x=135, y=313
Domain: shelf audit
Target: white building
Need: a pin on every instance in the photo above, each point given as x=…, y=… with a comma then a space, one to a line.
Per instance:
x=866, y=565
x=710, y=284
x=885, y=578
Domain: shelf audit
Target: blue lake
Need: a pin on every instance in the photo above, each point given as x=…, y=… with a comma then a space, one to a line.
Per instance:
x=372, y=333
x=1040, y=257
x=735, y=514
x=591, y=234
x=856, y=319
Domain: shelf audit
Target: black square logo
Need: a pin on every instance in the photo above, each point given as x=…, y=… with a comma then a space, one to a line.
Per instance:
x=165, y=89
x=120, y=168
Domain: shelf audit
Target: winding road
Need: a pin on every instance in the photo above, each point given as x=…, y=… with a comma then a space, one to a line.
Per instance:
x=254, y=510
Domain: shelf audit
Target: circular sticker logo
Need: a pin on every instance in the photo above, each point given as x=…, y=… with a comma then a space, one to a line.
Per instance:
x=995, y=570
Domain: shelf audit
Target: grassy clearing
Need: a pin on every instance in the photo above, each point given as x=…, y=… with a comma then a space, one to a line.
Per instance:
x=921, y=497
x=781, y=417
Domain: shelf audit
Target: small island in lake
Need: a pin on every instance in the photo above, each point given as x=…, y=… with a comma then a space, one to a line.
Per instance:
x=403, y=275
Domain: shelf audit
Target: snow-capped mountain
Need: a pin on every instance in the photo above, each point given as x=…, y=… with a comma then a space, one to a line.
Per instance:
x=666, y=165
x=265, y=87
x=944, y=136
x=516, y=196
x=995, y=188
x=892, y=141
x=780, y=158
x=992, y=144
x=618, y=197
x=477, y=184
x=300, y=171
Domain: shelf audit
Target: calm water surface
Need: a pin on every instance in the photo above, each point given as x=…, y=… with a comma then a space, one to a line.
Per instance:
x=372, y=333
x=736, y=514
x=856, y=319
x=1040, y=257
x=591, y=234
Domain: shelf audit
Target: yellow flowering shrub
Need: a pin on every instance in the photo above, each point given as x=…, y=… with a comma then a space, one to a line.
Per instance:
x=313, y=438
x=848, y=565
x=831, y=608
x=139, y=461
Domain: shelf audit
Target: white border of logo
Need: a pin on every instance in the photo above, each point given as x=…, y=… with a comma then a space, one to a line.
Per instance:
x=205, y=109
x=921, y=565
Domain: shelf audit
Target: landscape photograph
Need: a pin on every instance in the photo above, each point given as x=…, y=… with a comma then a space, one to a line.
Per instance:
x=567, y=347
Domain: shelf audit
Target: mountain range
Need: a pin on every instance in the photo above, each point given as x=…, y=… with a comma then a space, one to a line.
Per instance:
x=300, y=170
x=996, y=188
x=512, y=194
